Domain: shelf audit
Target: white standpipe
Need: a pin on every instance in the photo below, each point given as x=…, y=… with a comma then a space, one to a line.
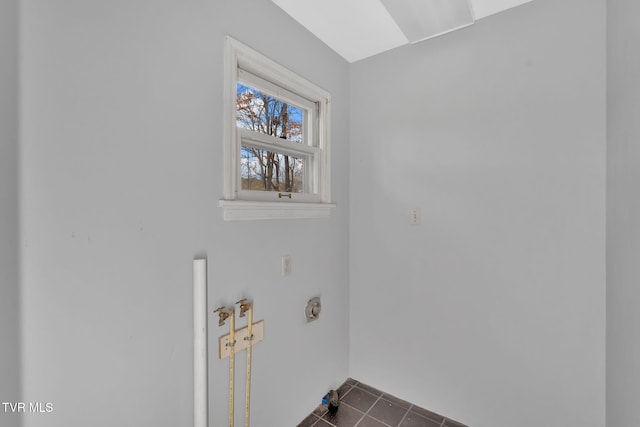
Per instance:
x=200, y=401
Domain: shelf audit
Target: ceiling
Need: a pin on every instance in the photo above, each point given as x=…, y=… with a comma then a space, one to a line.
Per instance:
x=357, y=29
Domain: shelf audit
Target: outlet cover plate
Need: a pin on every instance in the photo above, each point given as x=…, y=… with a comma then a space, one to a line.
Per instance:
x=286, y=265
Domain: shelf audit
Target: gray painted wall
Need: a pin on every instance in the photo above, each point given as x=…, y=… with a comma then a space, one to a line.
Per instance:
x=499, y=292
x=623, y=207
x=493, y=310
x=9, y=219
x=122, y=154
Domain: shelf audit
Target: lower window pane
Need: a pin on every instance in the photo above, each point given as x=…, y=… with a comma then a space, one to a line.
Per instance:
x=264, y=170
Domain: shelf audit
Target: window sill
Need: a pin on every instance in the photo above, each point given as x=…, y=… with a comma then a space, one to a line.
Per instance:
x=240, y=210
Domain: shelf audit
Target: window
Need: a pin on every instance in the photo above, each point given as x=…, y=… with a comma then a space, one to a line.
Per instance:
x=276, y=140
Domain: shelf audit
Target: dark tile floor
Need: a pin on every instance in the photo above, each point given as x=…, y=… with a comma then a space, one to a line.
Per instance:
x=364, y=406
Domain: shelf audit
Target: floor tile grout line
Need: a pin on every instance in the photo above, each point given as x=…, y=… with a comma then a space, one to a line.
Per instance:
x=325, y=421
x=429, y=418
x=378, y=395
x=364, y=413
x=365, y=387
x=316, y=421
x=405, y=414
x=367, y=412
x=379, y=420
x=351, y=387
x=354, y=408
x=347, y=392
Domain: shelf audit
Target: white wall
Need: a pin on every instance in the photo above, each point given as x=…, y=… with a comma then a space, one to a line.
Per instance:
x=9, y=220
x=498, y=132
x=623, y=207
x=122, y=171
x=493, y=310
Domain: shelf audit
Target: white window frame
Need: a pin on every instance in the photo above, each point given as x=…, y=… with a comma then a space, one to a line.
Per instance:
x=245, y=65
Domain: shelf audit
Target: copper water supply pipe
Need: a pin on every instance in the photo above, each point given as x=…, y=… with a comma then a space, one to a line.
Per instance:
x=247, y=307
x=230, y=314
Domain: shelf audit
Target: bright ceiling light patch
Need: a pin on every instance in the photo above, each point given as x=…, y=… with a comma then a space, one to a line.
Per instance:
x=422, y=19
x=355, y=29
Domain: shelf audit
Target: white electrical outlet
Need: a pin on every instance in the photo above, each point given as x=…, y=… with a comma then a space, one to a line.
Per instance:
x=286, y=265
x=415, y=216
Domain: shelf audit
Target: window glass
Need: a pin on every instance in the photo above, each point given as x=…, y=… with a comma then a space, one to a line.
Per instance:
x=266, y=170
x=277, y=161
x=260, y=112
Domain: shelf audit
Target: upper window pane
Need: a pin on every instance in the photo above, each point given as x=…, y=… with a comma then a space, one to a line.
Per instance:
x=263, y=113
